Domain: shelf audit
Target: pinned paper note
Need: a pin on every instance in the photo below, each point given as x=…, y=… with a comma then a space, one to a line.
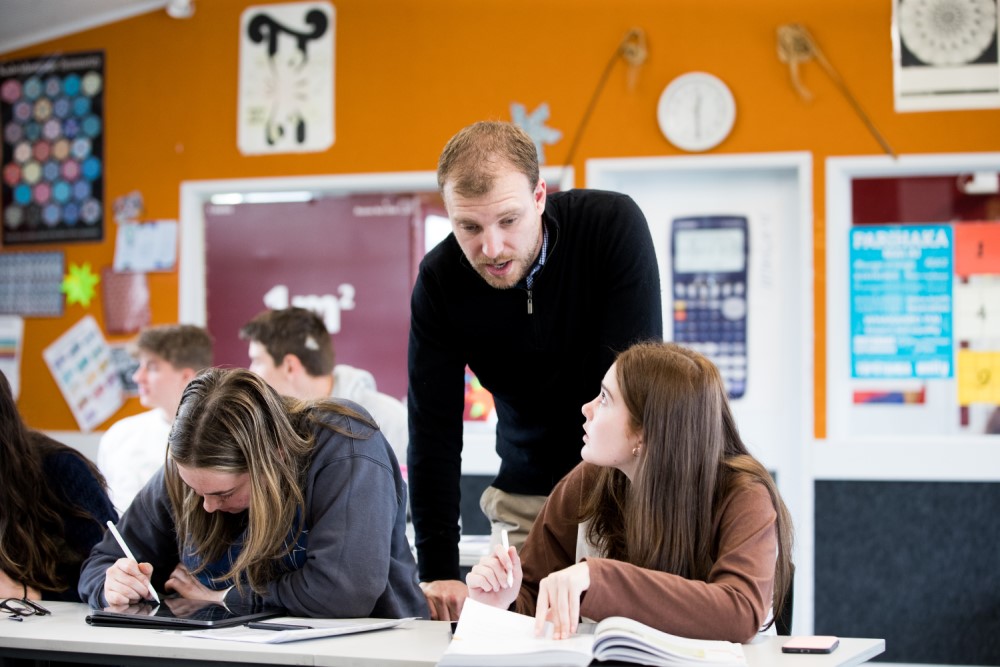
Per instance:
x=126, y=301
x=977, y=308
x=128, y=207
x=126, y=364
x=978, y=377
x=31, y=283
x=146, y=246
x=977, y=248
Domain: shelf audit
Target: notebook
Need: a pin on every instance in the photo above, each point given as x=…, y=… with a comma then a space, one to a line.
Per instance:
x=180, y=614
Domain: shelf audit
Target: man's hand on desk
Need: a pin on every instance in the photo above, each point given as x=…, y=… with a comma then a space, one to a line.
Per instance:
x=445, y=598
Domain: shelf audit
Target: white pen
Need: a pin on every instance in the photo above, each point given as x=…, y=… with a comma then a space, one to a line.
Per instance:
x=506, y=547
x=128, y=554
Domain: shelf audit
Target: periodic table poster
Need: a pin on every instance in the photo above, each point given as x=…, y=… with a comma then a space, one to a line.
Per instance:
x=52, y=119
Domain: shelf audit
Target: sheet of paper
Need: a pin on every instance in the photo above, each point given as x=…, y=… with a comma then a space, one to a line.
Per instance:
x=977, y=248
x=319, y=627
x=146, y=246
x=484, y=630
x=80, y=362
x=30, y=283
x=978, y=377
x=126, y=301
x=977, y=308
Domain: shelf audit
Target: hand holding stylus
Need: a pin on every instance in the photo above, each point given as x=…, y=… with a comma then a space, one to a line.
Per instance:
x=127, y=581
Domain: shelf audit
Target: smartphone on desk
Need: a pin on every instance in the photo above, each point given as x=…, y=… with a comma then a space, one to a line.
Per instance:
x=816, y=644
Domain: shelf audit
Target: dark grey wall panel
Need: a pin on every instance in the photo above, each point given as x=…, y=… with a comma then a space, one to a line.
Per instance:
x=474, y=522
x=917, y=563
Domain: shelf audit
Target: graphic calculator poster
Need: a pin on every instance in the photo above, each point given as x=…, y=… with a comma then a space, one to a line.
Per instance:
x=52, y=115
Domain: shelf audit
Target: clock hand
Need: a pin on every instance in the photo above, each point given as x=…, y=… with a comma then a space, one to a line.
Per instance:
x=697, y=115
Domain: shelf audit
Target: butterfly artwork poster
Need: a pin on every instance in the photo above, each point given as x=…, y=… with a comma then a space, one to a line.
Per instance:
x=286, y=72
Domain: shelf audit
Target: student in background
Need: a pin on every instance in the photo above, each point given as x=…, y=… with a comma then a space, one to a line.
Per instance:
x=535, y=292
x=669, y=520
x=266, y=499
x=292, y=351
x=134, y=447
x=53, y=509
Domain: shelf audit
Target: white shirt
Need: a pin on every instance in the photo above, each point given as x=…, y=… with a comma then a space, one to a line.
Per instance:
x=130, y=452
x=358, y=385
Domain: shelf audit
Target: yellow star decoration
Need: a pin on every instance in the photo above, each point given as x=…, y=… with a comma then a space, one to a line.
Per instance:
x=79, y=285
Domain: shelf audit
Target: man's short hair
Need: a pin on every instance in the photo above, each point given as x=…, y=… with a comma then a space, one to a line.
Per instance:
x=180, y=345
x=474, y=155
x=295, y=331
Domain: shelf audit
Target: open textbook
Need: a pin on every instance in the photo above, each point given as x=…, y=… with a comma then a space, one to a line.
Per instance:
x=488, y=637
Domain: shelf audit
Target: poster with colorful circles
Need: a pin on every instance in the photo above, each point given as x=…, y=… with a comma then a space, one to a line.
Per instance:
x=52, y=118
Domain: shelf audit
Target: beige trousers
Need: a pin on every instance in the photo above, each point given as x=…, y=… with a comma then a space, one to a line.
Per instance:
x=514, y=512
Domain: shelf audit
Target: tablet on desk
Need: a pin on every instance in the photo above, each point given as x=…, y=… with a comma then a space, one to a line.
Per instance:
x=180, y=614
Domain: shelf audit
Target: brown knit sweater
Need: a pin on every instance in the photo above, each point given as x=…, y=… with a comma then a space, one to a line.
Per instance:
x=731, y=605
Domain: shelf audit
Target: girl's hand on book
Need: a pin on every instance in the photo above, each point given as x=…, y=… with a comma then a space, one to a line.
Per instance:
x=559, y=600
x=487, y=581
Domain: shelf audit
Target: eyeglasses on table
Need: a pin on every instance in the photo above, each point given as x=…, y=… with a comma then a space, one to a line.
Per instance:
x=18, y=608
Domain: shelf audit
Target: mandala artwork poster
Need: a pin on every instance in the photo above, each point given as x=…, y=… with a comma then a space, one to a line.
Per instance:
x=945, y=54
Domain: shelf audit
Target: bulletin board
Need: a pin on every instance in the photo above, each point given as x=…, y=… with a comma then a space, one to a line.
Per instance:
x=914, y=297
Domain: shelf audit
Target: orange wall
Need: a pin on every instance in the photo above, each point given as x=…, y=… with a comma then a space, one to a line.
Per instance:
x=409, y=73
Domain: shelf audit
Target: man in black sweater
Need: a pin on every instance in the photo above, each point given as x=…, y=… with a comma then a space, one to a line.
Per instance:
x=536, y=293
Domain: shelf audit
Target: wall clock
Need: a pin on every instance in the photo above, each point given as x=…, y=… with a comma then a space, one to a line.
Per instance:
x=696, y=111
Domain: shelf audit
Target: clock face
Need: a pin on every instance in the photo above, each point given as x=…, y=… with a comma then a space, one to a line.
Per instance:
x=696, y=111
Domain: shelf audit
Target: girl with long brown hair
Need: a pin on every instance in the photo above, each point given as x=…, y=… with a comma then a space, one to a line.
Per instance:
x=53, y=505
x=669, y=520
x=268, y=500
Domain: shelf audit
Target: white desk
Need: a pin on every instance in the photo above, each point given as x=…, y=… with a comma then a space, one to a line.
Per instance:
x=65, y=635
x=851, y=651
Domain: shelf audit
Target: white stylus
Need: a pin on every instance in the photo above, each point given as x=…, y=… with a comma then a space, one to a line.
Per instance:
x=128, y=554
x=506, y=546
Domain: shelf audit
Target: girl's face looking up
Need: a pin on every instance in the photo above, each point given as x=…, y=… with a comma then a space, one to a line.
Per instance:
x=608, y=435
x=220, y=491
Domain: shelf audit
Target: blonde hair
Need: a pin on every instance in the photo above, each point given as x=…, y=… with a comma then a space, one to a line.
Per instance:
x=473, y=157
x=232, y=421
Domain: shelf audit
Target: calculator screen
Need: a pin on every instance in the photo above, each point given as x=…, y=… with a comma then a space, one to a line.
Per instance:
x=711, y=250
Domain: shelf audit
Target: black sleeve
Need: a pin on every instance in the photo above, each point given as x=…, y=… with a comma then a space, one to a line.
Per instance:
x=634, y=306
x=435, y=403
x=78, y=486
